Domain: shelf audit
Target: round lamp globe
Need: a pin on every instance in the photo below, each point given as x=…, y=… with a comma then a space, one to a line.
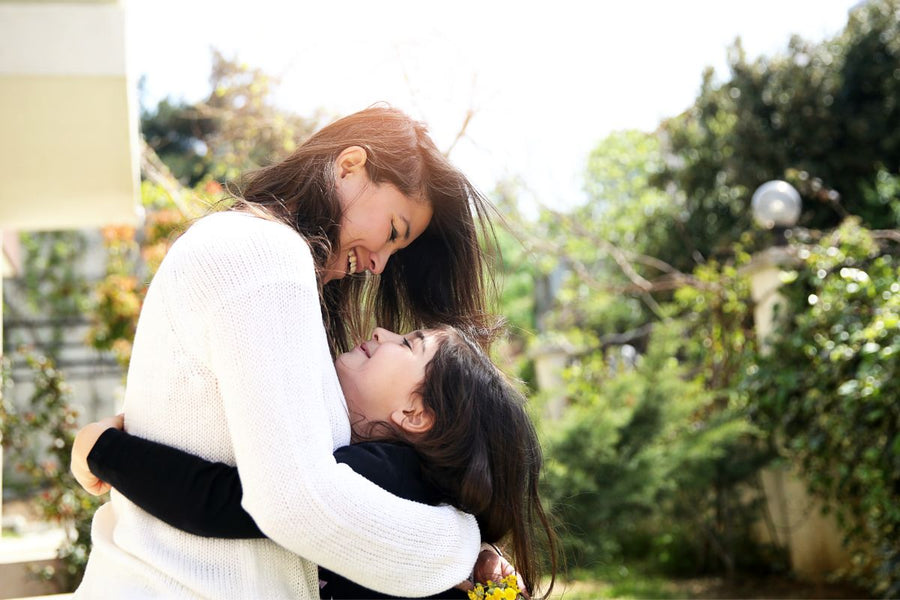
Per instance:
x=776, y=204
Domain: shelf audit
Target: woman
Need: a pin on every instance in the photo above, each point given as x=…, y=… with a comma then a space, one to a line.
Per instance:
x=450, y=429
x=231, y=362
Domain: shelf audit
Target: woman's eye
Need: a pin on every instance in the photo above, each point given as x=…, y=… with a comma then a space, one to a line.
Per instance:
x=393, y=232
x=408, y=345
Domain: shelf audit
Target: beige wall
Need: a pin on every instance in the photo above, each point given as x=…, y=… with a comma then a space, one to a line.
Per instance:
x=68, y=120
x=65, y=168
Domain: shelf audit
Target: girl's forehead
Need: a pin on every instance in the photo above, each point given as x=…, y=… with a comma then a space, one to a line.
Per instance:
x=437, y=333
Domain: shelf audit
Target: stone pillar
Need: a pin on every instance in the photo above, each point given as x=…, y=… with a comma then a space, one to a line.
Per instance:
x=813, y=540
x=549, y=362
x=765, y=279
x=9, y=266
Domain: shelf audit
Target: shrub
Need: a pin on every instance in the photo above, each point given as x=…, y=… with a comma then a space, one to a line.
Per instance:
x=646, y=465
x=38, y=443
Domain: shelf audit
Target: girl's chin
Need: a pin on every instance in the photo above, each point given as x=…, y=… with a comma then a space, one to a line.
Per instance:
x=360, y=428
x=368, y=431
x=331, y=275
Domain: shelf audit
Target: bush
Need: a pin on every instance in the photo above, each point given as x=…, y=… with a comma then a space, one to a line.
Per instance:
x=38, y=443
x=645, y=465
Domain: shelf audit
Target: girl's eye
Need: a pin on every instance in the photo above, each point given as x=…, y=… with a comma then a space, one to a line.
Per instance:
x=408, y=345
x=393, y=232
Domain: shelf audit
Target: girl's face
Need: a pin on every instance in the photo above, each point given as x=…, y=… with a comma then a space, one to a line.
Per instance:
x=377, y=220
x=380, y=378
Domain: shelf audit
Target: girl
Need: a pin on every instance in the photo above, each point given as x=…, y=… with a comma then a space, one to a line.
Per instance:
x=449, y=427
x=231, y=362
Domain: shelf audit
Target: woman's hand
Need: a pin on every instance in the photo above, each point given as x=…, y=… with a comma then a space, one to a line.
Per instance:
x=84, y=443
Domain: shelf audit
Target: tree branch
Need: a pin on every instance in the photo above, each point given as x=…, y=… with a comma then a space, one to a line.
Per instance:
x=155, y=170
x=639, y=285
x=887, y=234
x=470, y=112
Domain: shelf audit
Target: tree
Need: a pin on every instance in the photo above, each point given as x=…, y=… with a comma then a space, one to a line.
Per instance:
x=823, y=116
x=237, y=127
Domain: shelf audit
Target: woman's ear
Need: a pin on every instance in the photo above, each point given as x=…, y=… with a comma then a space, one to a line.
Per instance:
x=350, y=160
x=416, y=419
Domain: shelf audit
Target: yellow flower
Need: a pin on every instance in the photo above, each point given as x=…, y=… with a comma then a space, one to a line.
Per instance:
x=505, y=589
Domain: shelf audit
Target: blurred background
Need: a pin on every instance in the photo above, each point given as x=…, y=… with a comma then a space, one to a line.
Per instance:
x=711, y=359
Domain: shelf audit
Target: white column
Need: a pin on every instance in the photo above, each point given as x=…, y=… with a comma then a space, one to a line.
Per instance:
x=813, y=540
x=765, y=279
x=549, y=363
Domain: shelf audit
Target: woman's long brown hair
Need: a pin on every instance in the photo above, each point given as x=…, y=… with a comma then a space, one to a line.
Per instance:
x=441, y=277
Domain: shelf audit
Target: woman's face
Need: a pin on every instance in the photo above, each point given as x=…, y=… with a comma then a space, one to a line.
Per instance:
x=377, y=220
x=380, y=378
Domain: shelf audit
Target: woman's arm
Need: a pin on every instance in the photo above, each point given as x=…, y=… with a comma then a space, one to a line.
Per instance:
x=204, y=497
x=258, y=298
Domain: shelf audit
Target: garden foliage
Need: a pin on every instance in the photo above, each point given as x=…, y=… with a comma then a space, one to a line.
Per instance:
x=656, y=462
x=653, y=261
x=822, y=116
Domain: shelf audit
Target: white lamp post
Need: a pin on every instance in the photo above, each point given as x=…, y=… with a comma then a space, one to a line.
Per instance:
x=812, y=540
x=776, y=205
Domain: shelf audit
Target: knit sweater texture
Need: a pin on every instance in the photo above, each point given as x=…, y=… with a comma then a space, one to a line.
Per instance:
x=231, y=363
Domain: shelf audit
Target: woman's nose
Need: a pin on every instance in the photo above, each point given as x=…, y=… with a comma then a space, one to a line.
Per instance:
x=378, y=261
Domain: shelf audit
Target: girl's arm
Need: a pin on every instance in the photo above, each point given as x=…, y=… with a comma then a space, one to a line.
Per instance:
x=203, y=497
x=188, y=492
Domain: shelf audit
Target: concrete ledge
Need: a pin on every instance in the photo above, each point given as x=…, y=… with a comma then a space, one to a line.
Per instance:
x=19, y=580
x=20, y=556
x=31, y=546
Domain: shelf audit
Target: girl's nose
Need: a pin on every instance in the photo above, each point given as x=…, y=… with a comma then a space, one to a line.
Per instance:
x=381, y=335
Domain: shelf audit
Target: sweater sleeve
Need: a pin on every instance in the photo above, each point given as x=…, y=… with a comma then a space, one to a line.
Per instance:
x=258, y=295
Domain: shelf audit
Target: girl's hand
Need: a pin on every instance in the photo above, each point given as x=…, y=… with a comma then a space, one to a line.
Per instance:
x=491, y=566
x=84, y=443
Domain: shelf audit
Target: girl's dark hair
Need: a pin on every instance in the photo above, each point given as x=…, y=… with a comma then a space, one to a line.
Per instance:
x=483, y=453
x=441, y=277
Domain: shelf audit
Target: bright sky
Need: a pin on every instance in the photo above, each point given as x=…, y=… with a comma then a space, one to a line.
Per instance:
x=547, y=80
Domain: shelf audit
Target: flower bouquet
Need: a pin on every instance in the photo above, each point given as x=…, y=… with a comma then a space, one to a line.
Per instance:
x=505, y=589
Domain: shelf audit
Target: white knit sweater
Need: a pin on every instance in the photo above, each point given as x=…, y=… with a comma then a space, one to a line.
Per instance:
x=231, y=363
